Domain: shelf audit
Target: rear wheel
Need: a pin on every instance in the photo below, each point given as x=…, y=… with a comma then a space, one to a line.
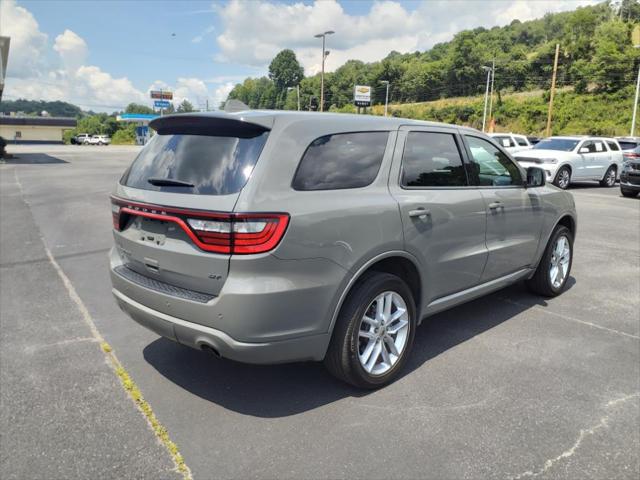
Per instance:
x=609, y=179
x=563, y=178
x=374, y=332
x=554, y=267
x=628, y=193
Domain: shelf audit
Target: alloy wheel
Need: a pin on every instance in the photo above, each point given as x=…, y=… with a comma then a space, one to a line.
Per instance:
x=560, y=258
x=383, y=333
x=563, y=178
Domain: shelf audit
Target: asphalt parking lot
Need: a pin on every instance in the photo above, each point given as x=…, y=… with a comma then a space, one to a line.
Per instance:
x=507, y=386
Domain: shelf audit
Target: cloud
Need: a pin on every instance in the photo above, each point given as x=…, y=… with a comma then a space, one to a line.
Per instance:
x=72, y=49
x=27, y=41
x=198, y=38
x=387, y=26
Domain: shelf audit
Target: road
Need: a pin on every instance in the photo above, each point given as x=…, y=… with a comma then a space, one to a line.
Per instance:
x=507, y=386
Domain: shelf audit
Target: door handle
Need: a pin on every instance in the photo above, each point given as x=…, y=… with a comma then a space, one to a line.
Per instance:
x=496, y=205
x=420, y=213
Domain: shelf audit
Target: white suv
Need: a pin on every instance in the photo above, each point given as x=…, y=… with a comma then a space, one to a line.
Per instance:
x=512, y=142
x=99, y=140
x=568, y=159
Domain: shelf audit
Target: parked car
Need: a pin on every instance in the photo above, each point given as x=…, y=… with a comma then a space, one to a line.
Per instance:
x=630, y=174
x=99, y=140
x=512, y=142
x=569, y=159
x=628, y=143
x=269, y=237
x=81, y=139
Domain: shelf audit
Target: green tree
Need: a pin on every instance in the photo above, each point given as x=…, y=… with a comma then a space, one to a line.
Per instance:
x=611, y=59
x=185, y=107
x=284, y=71
x=138, y=108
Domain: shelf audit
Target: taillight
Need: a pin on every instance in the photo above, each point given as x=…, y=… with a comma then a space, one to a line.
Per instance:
x=631, y=155
x=115, y=213
x=235, y=233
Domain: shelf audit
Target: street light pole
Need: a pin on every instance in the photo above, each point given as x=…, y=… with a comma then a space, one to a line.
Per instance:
x=493, y=79
x=386, y=96
x=486, y=97
x=324, y=55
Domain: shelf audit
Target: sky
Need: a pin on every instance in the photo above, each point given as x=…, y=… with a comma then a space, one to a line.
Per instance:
x=102, y=55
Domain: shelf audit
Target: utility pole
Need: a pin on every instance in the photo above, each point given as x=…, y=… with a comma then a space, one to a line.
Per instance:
x=493, y=77
x=386, y=96
x=636, y=38
x=553, y=89
x=486, y=96
x=324, y=56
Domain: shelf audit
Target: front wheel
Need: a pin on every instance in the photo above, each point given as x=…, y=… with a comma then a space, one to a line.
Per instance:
x=609, y=179
x=553, y=270
x=374, y=332
x=563, y=178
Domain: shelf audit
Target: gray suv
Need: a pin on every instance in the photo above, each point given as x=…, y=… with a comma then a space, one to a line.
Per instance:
x=269, y=237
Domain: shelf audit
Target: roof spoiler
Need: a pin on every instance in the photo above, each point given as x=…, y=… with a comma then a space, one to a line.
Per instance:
x=218, y=124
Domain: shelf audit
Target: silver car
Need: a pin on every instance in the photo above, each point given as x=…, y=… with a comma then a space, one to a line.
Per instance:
x=269, y=237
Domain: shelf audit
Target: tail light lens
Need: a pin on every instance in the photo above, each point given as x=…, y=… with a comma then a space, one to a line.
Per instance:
x=235, y=233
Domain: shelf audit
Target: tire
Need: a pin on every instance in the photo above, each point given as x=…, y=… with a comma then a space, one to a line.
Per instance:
x=609, y=179
x=348, y=347
x=628, y=193
x=541, y=282
x=563, y=178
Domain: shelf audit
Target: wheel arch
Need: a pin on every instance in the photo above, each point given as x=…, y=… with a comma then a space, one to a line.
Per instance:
x=396, y=262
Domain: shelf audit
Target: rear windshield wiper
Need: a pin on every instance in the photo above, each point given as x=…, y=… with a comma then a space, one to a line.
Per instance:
x=169, y=182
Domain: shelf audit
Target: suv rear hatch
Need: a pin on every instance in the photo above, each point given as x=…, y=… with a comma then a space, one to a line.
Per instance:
x=173, y=208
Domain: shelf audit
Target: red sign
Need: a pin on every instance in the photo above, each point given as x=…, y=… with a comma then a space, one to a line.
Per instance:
x=161, y=95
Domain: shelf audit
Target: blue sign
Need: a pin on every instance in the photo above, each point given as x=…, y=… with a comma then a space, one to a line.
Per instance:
x=161, y=104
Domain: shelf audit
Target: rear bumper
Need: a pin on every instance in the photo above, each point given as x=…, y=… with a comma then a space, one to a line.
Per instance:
x=312, y=347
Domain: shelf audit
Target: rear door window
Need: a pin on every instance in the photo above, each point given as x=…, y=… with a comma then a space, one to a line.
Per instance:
x=345, y=160
x=205, y=165
x=432, y=159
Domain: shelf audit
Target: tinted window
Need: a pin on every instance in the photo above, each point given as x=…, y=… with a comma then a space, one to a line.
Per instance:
x=612, y=146
x=345, y=160
x=593, y=146
x=490, y=166
x=522, y=141
x=213, y=165
x=627, y=145
x=432, y=160
x=561, y=144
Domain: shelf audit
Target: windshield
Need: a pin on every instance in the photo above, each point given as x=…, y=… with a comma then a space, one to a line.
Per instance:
x=561, y=144
x=197, y=164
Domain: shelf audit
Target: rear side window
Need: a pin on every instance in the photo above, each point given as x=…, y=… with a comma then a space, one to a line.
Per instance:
x=613, y=146
x=522, y=141
x=345, y=160
x=432, y=159
x=206, y=165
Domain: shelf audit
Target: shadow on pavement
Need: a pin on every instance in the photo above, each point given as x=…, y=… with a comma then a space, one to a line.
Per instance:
x=282, y=390
x=32, y=159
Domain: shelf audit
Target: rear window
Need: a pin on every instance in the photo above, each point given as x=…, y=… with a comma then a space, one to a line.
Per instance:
x=627, y=145
x=214, y=165
x=345, y=160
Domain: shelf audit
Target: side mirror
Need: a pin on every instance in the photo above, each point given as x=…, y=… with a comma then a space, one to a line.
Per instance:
x=535, y=177
x=583, y=150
